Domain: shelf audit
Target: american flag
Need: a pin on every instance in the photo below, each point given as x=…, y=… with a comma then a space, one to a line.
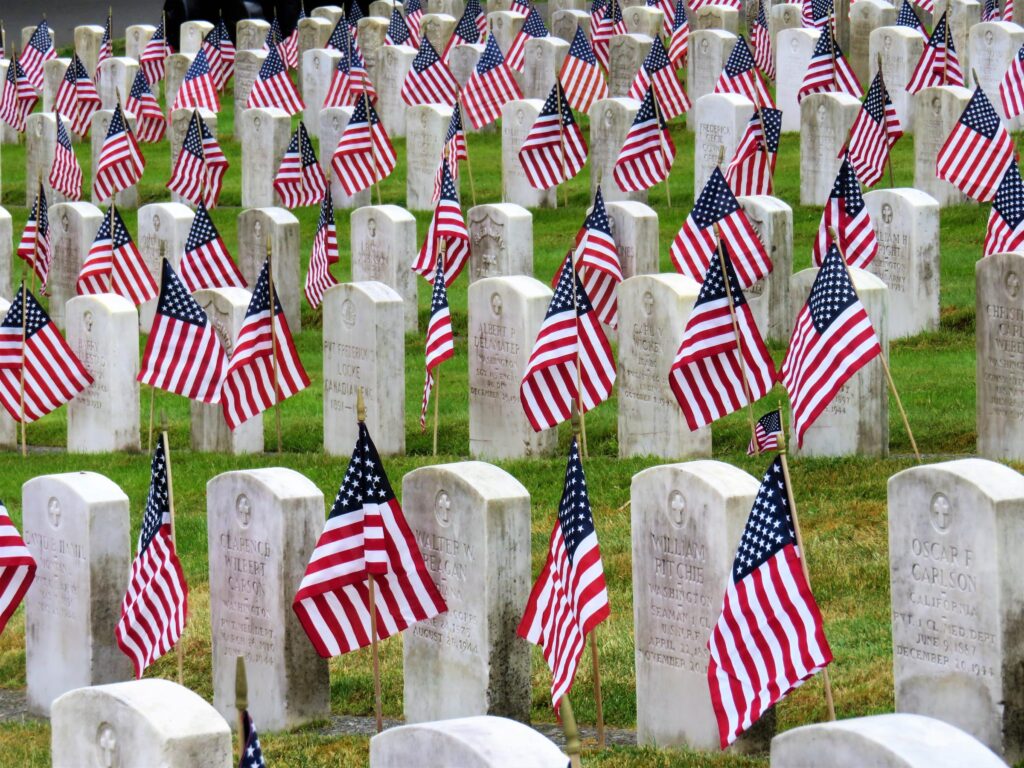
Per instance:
x=520, y=6
x=18, y=97
x=413, y=18
x=696, y=5
x=816, y=14
x=828, y=70
x=198, y=88
x=533, y=28
x=253, y=381
x=274, y=36
x=1011, y=89
x=939, y=64
x=214, y=58
x=325, y=253
x=398, y=31
x=183, y=353
x=764, y=57
x=453, y=153
x=365, y=534
x=570, y=346
x=875, y=130
x=1008, y=11
x=429, y=81
x=17, y=568
x=355, y=13
x=77, y=98
x=364, y=154
x=154, y=55
x=155, y=605
x=300, y=180
x=740, y=76
x=65, y=173
x=582, y=79
x=752, y=168
x=198, y=173
x=227, y=50
x=1006, y=221
x=846, y=212
x=36, y=350
x=34, y=246
x=597, y=261
x=977, y=152
x=598, y=8
x=667, y=8
x=769, y=638
x=679, y=40
x=206, y=262
x=714, y=373
x=252, y=752
x=440, y=344
x=928, y=6
x=106, y=51
x=115, y=265
x=990, y=11
x=350, y=80
x=603, y=28
x=570, y=597
x=38, y=51
x=490, y=87
x=554, y=150
x=290, y=45
x=469, y=30
x=695, y=246
x=149, y=118
x=907, y=17
x=658, y=70
x=648, y=151
x=273, y=88
x=833, y=338
x=767, y=430
x=448, y=227
x=341, y=36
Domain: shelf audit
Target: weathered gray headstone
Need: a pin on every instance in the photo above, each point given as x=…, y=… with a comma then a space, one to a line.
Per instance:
x=626, y=54
x=644, y=20
x=542, y=60
x=471, y=521
x=517, y=118
x=53, y=75
x=564, y=23
x=425, y=127
x=825, y=122
x=635, y=231
x=500, y=240
x=393, y=64
x=192, y=34
x=793, y=50
x=333, y=122
x=865, y=17
x=364, y=324
x=709, y=50
x=993, y=46
x=87, y=39
x=73, y=227
x=936, y=113
x=720, y=119
x=714, y=16
x=175, y=68
x=963, y=14
x=332, y=13
x=384, y=244
x=318, y=68
x=313, y=35
x=126, y=198
x=264, y=138
x=372, y=33
x=180, y=121
x=114, y=80
x=163, y=232
x=900, y=50
x=255, y=225
x=462, y=61
x=780, y=17
x=6, y=253
x=438, y=29
x=136, y=37
x=382, y=8
x=768, y=298
x=505, y=25
x=610, y=121
x=247, y=68
x=76, y=527
x=40, y=143
x=250, y=35
x=262, y=527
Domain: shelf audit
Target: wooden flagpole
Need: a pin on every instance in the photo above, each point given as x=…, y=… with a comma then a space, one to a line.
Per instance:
x=561, y=143
x=465, y=141
x=179, y=646
x=152, y=389
x=369, y=127
x=241, y=702
x=832, y=45
x=578, y=403
x=372, y=599
x=437, y=370
x=882, y=357
x=24, y=342
x=273, y=345
x=825, y=678
x=885, y=123
x=573, y=747
x=661, y=138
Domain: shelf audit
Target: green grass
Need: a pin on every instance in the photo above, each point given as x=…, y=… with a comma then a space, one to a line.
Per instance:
x=842, y=502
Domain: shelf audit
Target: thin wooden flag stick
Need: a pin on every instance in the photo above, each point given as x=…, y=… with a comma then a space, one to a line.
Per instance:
x=465, y=141
x=373, y=149
x=180, y=645
x=661, y=138
x=437, y=369
x=573, y=747
x=372, y=599
x=241, y=702
x=273, y=345
x=885, y=123
x=24, y=343
x=578, y=402
x=152, y=408
x=561, y=143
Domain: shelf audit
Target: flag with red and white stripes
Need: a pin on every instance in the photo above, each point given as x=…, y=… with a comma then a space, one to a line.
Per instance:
x=183, y=353
x=648, y=151
x=414, y=20
x=828, y=70
x=65, y=173
x=121, y=162
x=764, y=56
x=106, y=50
x=770, y=636
x=198, y=174
x=740, y=76
x=149, y=118
x=1008, y=11
x=398, y=32
x=570, y=597
x=603, y=28
x=206, y=262
x=907, y=17
x=714, y=372
x=469, y=30
x=17, y=568
x=533, y=27
x=452, y=154
x=767, y=431
x=18, y=97
x=274, y=88
x=440, y=344
x=874, y=132
x=679, y=40
x=1011, y=88
x=38, y=51
x=582, y=78
x=350, y=80
x=365, y=535
x=198, y=88
x=325, y=253
x=752, y=168
x=447, y=227
x=34, y=246
x=939, y=63
x=429, y=81
x=300, y=180
x=1005, y=232
x=846, y=212
x=570, y=339
x=816, y=14
x=214, y=58
x=491, y=86
x=290, y=45
x=227, y=53
x=667, y=8
x=154, y=55
x=115, y=265
x=597, y=261
x=155, y=605
x=364, y=155
x=77, y=98
x=977, y=151
x=658, y=72
x=554, y=150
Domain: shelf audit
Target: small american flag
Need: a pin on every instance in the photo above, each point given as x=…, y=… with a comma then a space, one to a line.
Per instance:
x=199, y=170
x=769, y=638
x=469, y=30
x=65, y=173
x=18, y=97
x=290, y=45
x=767, y=431
x=989, y=11
x=183, y=353
x=828, y=70
x=928, y=6
x=34, y=246
x=398, y=31
x=939, y=64
x=1011, y=89
x=149, y=118
x=206, y=262
x=1006, y=221
x=355, y=13
x=679, y=41
x=1008, y=11
x=115, y=265
x=414, y=18
x=227, y=50
x=429, y=81
x=907, y=17
x=154, y=55
x=874, y=132
x=38, y=51
x=752, y=168
x=597, y=261
x=667, y=8
x=603, y=28
x=695, y=246
x=77, y=98
x=816, y=14
x=846, y=212
x=198, y=88
x=696, y=5
x=273, y=88
x=533, y=27
x=365, y=534
x=570, y=336
x=490, y=87
x=350, y=80
x=582, y=79
x=300, y=180
x=708, y=376
x=977, y=152
x=341, y=36
x=252, y=752
x=570, y=597
x=364, y=154
x=657, y=70
x=453, y=153
x=106, y=50
x=36, y=350
x=215, y=59
x=648, y=151
x=447, y=232
x=440, y=344
x=762, y=40
x=832, y=340
x=17, y=568
x=155, y=605
x=253, y=381
x=554, y=150
x=274, y=35
x=325, y=253
x=740, y=76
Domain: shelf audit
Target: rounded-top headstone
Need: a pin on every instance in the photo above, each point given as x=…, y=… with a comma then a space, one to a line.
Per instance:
x=936, y=112
x=825, y=122
x=383, y=245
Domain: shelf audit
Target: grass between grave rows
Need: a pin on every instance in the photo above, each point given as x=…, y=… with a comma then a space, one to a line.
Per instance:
x=842, y=502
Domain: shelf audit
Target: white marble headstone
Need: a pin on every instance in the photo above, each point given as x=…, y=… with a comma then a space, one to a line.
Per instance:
x=393, y=64
x=900, y=49
x=768, y=298
x=73, y=227
x=178, y=129
x=250, y=35
x=383, y=244
x=500, y=240
x=136, y=37
x=825, y=122
x=517, y=118
x=114, y=80
x=610, y=121
x=993, y=46
x=126, y=198
x=865, y=17
x=719, y=119
x=425, y=127
x=192, y=34
x=793, y=50
x=709, y=50
x=40, y=144
x=247, y=68
x=542, y=60
x=176, y=67
x=264, y=137
x=163, y=232
x=87, y=39
x=936, y=113
x=635, y=231
x=318, y=69
x=626, y=54
x=333, y=122
x=255, y=225
x=6, y=253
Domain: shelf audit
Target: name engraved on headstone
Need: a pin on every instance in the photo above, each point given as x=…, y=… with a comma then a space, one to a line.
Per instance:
x=498, y=358
x=244, y=626
x=1002, y=370
x=62, y=570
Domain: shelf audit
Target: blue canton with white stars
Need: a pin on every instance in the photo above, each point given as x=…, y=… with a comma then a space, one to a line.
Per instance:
x=826, y=47
x=575, y=517
x=76, y=70
x=491, y=58
x=908, y=17
x=398, y=32
x=203, y=231
x=253, y=756
x=301, y=139
x=1009, y=200
x=598, y=217
x=35, y=316
x=647, y=112
x=657, y=59
x=554, y=100
x=41, y=215
x=140, y=87
x=121, y=236
x=158, y=508
x=260, y=301
x=771, y=124
x=176, y=302
x=716, y=201
x=355, y=13
x=439, y=296
x=274, y=35
x=426, y=58
x=448, y=191
x=40, y=39
x=713, y=288
x=454, y=124
x=740, y=60
x=272, y=66
x=534, y=25
x=980, y=116
x=847, y=189
x=581, y=49
x=365, y=480
x=340, y=39
x=199, y=66
x=832, y=292
x=874, y=104
x=771, y=422
x=412, y=6
x=821, y=9
x=770, y=526
x=562, y=300
x=359, y=114
x=62, y=135
x=466, y=28
x=761, y=21
x=193, y=143
x=939, y=36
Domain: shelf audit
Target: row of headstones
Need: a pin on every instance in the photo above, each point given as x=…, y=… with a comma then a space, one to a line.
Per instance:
x=954, y=531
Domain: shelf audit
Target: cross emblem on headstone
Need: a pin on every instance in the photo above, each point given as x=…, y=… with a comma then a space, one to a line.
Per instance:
x=107, y=744
x=677, y=506
x=942, y=512
x=443, y=508
x=53, y=512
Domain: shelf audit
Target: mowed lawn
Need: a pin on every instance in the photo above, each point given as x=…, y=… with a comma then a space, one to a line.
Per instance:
x=842, y=502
